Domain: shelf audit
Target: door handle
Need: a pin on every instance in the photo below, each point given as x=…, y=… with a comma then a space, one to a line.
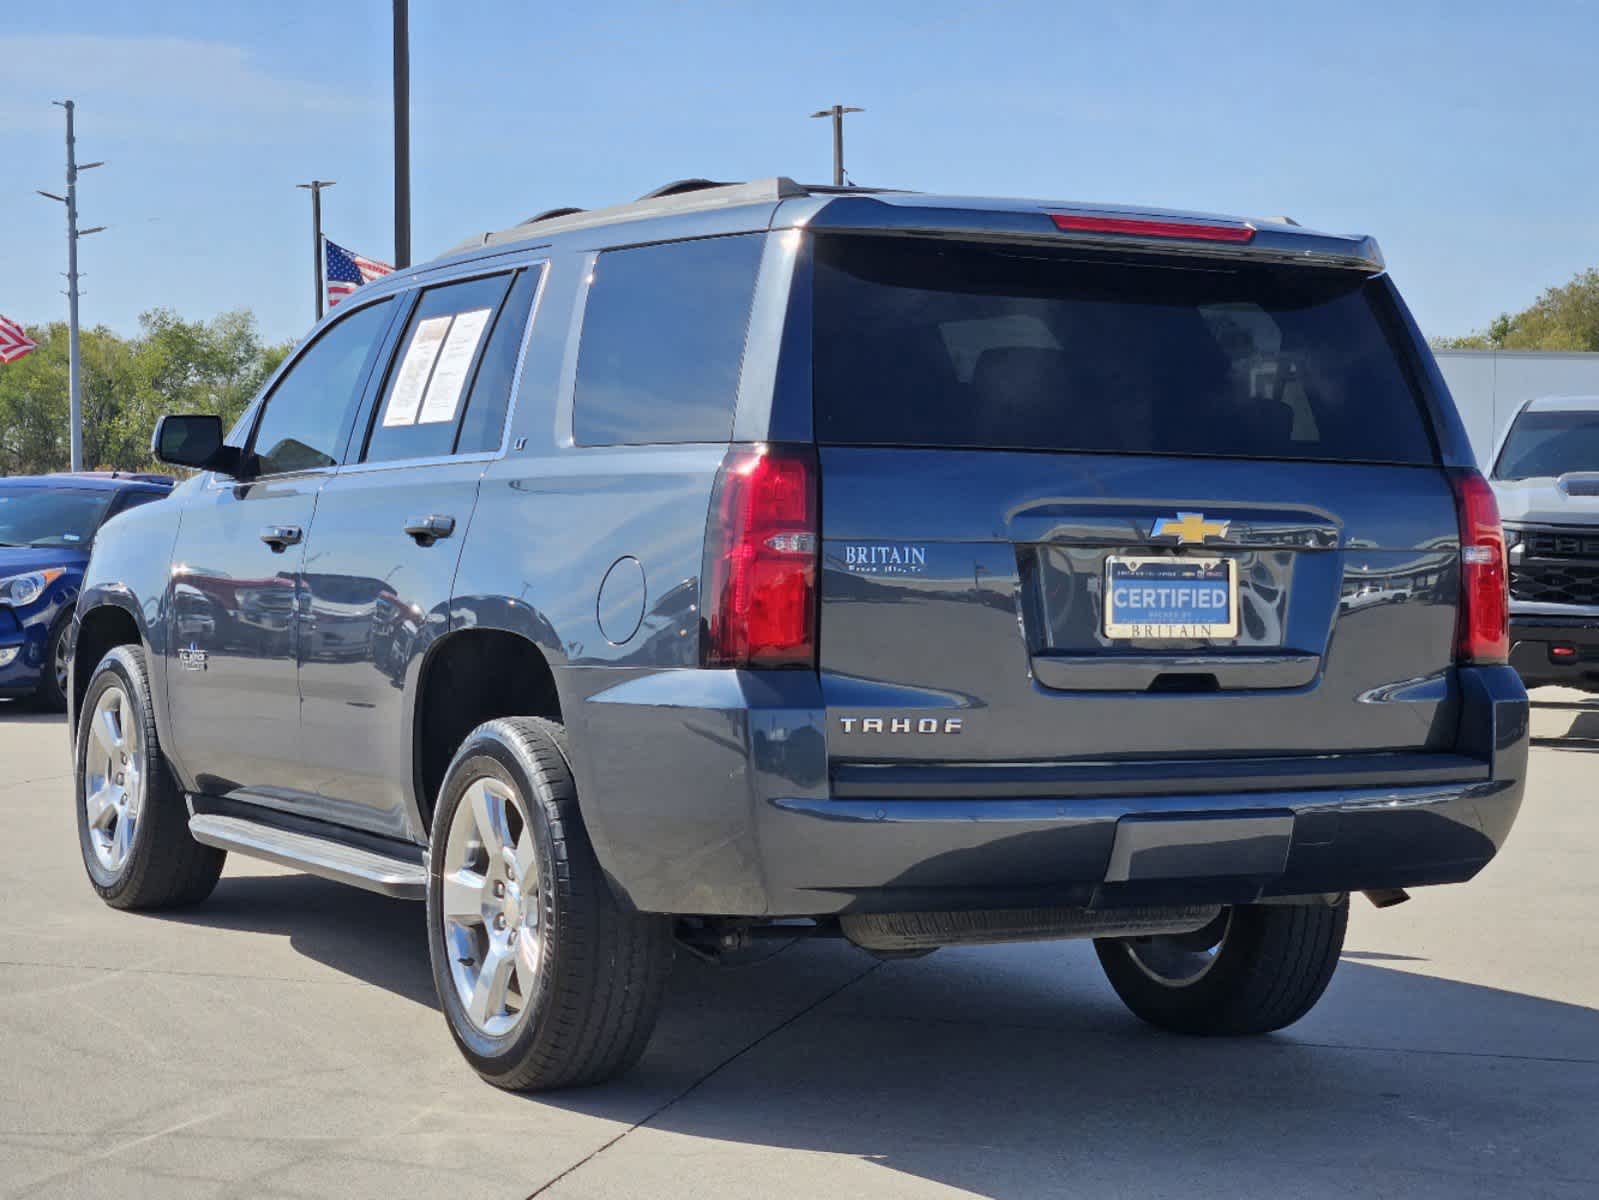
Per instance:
x=281, y=537
x=429, y=529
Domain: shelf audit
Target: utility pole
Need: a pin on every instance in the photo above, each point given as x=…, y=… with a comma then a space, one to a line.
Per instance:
x=73, y=234
x=315, y=188
x=402, y=135
x=837, y=112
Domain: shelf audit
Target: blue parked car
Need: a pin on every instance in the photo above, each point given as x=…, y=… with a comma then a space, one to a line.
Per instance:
x=47, y=526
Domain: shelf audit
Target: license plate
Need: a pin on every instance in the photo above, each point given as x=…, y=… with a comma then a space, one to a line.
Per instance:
x=1157, y=598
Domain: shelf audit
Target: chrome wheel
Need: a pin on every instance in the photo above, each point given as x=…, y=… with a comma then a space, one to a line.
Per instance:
x=1181, y=959
x=489, y=904
x=61, y=662
x=113, y=778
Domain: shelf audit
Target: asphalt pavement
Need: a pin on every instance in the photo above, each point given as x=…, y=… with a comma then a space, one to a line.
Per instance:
x=282, y=1040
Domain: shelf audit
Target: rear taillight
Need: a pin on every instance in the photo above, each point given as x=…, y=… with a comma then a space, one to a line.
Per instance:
x=1202, y=231
x=1483, y=628
x=759, y=577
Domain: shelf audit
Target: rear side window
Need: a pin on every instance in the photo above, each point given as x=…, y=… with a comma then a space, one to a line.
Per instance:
x=663, y=341
x=922, y=344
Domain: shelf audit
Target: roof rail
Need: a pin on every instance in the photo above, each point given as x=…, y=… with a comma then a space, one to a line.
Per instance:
x=679, y=186
x=549, y=214
x=685, y=195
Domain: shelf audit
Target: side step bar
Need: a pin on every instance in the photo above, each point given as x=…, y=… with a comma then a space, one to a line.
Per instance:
x=354, y=865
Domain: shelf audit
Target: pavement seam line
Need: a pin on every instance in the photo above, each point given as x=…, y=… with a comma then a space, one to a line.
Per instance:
x=703, y=1079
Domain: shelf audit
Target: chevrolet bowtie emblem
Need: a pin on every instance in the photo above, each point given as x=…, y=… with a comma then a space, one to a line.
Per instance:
x=1189, y=528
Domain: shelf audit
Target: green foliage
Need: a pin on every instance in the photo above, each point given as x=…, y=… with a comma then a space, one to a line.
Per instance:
x=1563, y=318
x=173, y=365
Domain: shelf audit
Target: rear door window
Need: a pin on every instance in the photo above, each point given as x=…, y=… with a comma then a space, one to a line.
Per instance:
x=663, y=342
x=431, y=376
x=923, y=344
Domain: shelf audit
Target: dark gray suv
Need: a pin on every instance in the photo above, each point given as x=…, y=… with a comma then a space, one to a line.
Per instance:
x=762, y=560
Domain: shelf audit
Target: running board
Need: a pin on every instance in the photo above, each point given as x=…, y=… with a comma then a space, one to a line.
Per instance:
x=354, y=865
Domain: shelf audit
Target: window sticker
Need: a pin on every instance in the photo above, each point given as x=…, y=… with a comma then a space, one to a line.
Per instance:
x=443, y=397
x=415, y=368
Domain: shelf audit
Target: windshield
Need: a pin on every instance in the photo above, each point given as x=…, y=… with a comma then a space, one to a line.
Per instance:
x=970, y=347
x=50, y=517
x=1548, y=444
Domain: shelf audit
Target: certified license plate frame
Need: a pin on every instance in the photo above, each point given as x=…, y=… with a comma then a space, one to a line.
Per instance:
x=1169, y=569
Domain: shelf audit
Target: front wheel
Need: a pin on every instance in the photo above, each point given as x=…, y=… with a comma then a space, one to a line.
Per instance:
x=1254, y=969
x=133, y=824
x=545, y=980
x=51, y=695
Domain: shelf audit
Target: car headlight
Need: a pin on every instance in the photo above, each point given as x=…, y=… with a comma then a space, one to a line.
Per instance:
x=25, y=589
x=1512, y=537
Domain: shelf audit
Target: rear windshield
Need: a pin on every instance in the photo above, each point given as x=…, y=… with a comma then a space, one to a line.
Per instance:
x=926, y=344
x=1550, y=443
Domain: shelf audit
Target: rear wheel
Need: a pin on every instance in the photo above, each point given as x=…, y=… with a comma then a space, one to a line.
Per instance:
x=545, y=980
x=1254, y=969
x=133, y=826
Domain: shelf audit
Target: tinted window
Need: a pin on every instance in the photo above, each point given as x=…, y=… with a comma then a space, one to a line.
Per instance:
x=303, y=423
x=920, y=344
x=484, y=424
x=431, y=375
x=1548, y=444
x=663, y=339
x=49, y=516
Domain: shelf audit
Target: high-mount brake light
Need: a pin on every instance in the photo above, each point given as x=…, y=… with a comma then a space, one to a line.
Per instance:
x=1199, y=231
x=1483, y=627
x=761, y=546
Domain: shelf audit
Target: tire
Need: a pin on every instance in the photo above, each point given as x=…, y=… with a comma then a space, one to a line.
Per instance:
x=136, y=847
x=51, y=695
x=576, y=981
x=1255, y=969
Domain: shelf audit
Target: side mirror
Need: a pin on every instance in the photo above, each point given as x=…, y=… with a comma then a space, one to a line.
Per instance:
x=194, y=440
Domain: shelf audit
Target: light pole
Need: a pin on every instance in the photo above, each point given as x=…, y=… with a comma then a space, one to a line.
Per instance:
x=402, y=136
x=75, y=386
x=837, y=112
x=315, y=188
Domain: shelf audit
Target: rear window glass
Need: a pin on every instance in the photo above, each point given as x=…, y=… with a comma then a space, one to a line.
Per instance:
x=663, y=341
x=1550, y=444
x=920, y=344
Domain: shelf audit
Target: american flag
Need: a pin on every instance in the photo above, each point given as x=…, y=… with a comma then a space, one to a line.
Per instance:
x=347, y=270
x=14, y=343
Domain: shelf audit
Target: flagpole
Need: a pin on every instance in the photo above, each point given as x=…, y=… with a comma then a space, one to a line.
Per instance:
x=315, y=188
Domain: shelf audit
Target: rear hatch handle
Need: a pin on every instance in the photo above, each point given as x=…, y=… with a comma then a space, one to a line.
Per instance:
x=1174, y=672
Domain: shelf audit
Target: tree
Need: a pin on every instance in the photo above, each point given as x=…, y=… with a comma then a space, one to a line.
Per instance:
x=173, y=365
x=1563, y=318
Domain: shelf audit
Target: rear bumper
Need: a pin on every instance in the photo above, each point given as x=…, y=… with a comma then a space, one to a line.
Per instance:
x=709, y=792
x=1533, y=639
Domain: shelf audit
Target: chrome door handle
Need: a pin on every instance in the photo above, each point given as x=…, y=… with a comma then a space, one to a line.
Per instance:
x=281, y=537
x=429, y=529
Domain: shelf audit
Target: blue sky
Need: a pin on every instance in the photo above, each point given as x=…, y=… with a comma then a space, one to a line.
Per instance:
x=1462, y=134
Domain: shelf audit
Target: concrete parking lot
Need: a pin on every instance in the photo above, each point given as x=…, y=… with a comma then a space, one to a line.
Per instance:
x=282, y=1040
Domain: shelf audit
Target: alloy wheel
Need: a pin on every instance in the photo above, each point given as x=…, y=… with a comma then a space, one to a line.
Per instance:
x=113, y=778
x=490, y=906
x=61, y=662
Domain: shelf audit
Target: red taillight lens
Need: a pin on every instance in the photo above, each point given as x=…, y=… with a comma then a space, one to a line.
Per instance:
x=1484, y=622
x=1203, y=231
x=759, y=578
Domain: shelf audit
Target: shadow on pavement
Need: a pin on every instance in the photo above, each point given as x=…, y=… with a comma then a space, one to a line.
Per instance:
x=21, y=712
x=1014, y=1073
